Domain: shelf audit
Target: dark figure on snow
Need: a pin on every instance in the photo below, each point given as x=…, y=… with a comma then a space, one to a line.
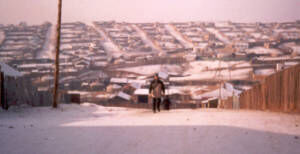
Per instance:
x=156, y=91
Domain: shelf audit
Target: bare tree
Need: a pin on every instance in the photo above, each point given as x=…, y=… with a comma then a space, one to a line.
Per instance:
x=56, y=72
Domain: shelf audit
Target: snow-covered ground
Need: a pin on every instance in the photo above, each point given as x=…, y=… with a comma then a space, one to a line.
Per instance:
x=144, y=37
x=49, y=46
x=188, y=88
x=264, y=71
x=284, y=58
x=198, y=70
x=109, y=46
x=90, y=128
x=218, y=35
x=204, y=65
x=178, y=36
x=152, y=69
x=286, y=30
x=262, y=50
x=223, y=75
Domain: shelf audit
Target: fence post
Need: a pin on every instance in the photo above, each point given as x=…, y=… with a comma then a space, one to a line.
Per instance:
x=3, y=101
x=263, y=90
x=1, y=89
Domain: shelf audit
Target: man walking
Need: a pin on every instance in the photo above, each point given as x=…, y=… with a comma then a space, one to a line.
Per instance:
x=156, y=91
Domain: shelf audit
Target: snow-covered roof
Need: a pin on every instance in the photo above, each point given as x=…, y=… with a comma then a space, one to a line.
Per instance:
x=264, y=71
x=68, y=78
x=119, y=80
x=99, y=63
x=35, y=65
x=136, y=85
x=163, y=75
x=216, y=93
x=124, y=95
x=116, y=86
x=141, y=92
x=290, y=63
x=9, y=71
x=262, y=50
x=143, y=82
x=206, y=101
x=284, y=58
x=173, y=91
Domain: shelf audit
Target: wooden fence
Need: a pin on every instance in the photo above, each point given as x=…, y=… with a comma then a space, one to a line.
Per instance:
x=278, y=92
x=2, y=101
x=17, y=91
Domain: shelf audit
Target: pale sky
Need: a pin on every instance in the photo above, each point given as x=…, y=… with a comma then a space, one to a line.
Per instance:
x=38, y=11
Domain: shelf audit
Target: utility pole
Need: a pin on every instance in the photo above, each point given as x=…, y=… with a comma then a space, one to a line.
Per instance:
x=56, y=72
x=220, y=86
x=219, y=76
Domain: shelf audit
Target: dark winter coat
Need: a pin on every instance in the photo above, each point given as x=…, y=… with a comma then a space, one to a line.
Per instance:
x=157, y=88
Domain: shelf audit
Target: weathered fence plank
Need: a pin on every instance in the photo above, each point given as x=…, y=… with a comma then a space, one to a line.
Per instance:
x=278, y=92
